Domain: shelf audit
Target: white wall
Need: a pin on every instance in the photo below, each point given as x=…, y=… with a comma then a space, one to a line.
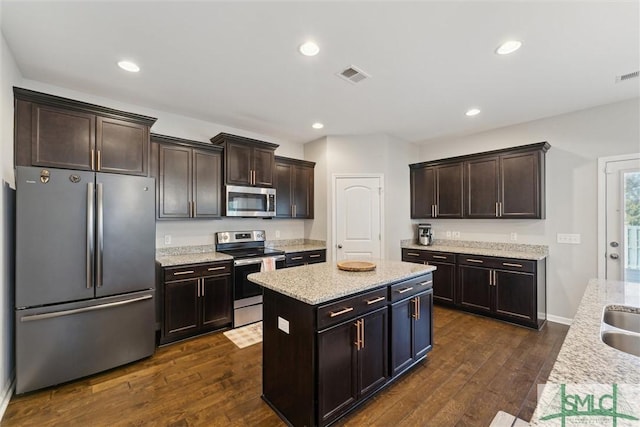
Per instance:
x=368, y=154
x=194, y=232
x=577, y=140
x=10, y=76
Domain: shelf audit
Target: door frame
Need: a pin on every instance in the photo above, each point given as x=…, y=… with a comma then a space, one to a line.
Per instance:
x=602, y=208
x=334, y=216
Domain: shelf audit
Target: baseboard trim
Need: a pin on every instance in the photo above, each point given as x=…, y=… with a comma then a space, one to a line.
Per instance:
x=558, y=319
x=7, y=392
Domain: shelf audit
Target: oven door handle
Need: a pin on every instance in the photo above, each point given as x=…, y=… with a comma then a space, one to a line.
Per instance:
x=250, y=261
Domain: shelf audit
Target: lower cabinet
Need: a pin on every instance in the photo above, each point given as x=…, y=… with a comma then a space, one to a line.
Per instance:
x=444, y=278
x=195, y=299
x=348, y=372
x=412, y=330
x=294, y=259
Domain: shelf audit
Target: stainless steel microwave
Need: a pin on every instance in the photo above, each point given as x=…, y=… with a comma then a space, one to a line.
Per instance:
x=250, y=201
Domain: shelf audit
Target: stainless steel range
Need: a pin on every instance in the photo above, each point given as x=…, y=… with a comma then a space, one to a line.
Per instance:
x=248, y=252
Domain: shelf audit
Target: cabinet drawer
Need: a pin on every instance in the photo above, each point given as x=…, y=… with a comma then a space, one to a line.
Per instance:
x=339, y=311
x=181, y=273
x=440, y=257
x=214, y=269
x=410, y=287
x=414, y=255
x=509, y=264
x=316, y=256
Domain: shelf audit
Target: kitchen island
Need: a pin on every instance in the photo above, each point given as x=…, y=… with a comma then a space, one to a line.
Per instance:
x=333, y=338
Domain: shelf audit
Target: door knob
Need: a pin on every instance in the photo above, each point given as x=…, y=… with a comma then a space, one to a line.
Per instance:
x=614, y=256
x=339, y=246
x=614, y=244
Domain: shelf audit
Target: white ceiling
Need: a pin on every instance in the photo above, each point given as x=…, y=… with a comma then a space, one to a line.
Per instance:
x=236, y=63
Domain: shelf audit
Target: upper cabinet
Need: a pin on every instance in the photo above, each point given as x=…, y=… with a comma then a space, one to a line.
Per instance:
x=436, y=190
x=63, y=133
x=507, y=183
x=294, y=188
x=247, y=161
x=188, y=178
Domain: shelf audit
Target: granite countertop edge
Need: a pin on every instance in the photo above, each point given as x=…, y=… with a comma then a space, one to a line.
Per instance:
x=195, y=258
x=478, y=251
x=306, y=247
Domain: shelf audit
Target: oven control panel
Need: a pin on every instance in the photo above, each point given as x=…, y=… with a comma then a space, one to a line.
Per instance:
x=240, y=236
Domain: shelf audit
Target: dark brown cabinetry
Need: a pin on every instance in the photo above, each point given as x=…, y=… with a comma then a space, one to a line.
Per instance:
x=444, y=278
x=63, y=133
x=508, y=183
x=436, y=191
x=294, y=259
x=247, y=161
x=195, y=299
x=188, y=178
x=412, y=329
x=294, y=188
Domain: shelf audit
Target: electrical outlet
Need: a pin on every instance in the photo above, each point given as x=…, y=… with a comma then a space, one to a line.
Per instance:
x=514, y=237
x=568, y=239
x=167, y=239
x=456, y=234
x=448, y=234
x=277, y=234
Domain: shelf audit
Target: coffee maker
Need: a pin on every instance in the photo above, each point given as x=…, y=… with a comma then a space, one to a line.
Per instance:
x=425, y=236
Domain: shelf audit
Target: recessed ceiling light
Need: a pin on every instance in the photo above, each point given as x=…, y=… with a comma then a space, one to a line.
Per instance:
x=472, y=112
x=129, y=66
x=508, y=47
x=317, y=125
x=309, y=49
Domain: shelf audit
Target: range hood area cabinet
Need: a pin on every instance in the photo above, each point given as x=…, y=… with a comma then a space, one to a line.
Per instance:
x=247, y=161
x=56, y=132
x=507, y=183
x=294, y=188
x=188, y=178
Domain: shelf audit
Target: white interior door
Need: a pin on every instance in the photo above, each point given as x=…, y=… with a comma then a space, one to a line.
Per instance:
x=358, y=216
x=622, y=229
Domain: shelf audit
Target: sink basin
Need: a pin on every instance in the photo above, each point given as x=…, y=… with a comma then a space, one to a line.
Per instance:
x=623, y=342
x=621, y=318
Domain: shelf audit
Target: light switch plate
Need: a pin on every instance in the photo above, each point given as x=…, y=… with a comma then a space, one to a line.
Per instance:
x=568, y=239
x=167, y=239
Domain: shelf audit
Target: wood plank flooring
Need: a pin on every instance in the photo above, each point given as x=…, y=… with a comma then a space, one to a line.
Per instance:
x=477, y=367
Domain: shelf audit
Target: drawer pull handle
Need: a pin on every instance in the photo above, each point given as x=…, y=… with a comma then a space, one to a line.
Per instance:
x=338, y=313
x=439, y=256
x=413, y=254
x=428, y=282
x=295, y=258
x=375, y=300
x=216, y=268
x=314, y=256
x=509, y=264
x=180, y=273
x=479, y=261
x=403, y=290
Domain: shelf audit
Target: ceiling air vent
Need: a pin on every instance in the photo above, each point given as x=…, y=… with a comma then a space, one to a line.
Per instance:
x=627, y=76
x=353, y=74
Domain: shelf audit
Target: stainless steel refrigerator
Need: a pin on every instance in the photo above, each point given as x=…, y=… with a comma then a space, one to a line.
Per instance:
x=85, y=273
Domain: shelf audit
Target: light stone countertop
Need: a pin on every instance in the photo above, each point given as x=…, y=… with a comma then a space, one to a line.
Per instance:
x=584, y=358
x=317, y=283
x=300, y=248
x=495, y=249
x=182, y=255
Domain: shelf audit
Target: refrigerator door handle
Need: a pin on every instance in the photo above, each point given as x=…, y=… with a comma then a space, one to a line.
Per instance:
x=54, y=314
x=90, y=234
x=100, y=240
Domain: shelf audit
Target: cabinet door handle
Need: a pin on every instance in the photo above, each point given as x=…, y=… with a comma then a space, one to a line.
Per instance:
x=417, y=304
x=433, y=211
x=495, y=278
x=510, y=264
x=295, y=258
x=202, y=293
x=478, y=261
x=413, y=254
x=490, y=277
x=341, y=312
x=439, y=256
x=198, y=289
x=375, y=300
x=193, y=209
x=500, y=210
x=216, y=268
x=314, y=256
x=428, y=282
x=99, y=161
x=497, y=210
x=295, y=209
x=93, y=160
x=180, y=273
x=403, y=290
x=361, y=333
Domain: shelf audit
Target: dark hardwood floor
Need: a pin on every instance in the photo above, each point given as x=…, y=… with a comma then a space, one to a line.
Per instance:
x=477, y=367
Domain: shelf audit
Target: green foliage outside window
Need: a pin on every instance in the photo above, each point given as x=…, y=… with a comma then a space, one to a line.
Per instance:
x=632, y=198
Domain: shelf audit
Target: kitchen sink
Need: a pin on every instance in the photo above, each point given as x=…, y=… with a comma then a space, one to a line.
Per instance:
x=621, y=317
x=621, y=341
